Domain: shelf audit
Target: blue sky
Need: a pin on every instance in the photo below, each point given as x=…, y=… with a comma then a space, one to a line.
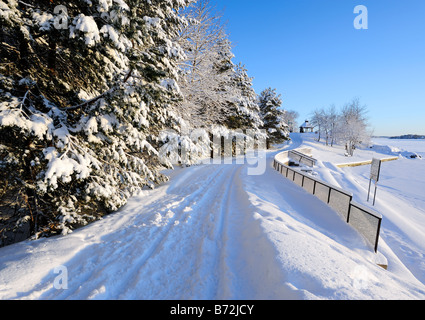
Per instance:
x=311, y=53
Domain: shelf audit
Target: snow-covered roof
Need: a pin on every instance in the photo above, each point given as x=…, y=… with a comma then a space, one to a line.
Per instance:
x=306, y=124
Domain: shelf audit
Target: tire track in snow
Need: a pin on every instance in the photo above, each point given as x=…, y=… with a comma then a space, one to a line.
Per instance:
x=199, y=241
x=192, y=253
x=215, y=246
x=134, y=247
x=153, y=263
x=160, y=242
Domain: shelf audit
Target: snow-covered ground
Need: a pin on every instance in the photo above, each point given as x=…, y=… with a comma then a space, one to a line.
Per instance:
x=400, y=194
x=215, y=232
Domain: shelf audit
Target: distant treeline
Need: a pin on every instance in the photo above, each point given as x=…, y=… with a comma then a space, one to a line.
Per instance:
x=409, y=136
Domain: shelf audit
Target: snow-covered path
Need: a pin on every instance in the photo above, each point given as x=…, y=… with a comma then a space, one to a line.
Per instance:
x=212, y=232
x=187, y=240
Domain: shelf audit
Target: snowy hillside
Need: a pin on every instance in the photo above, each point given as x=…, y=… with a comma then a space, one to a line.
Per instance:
x=400, y=196
x=215, y=232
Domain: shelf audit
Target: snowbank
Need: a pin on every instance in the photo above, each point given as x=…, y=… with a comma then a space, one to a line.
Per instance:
x=400, y=197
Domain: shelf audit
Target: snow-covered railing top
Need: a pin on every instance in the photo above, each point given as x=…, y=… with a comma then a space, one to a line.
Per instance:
x=365, y=220
x=302, y=158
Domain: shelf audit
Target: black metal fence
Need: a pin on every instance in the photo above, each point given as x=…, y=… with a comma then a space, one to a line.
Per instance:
x=366, y=221
x=302, y=158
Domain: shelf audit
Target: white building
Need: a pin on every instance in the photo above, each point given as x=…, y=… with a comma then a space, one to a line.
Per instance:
x=306, y=127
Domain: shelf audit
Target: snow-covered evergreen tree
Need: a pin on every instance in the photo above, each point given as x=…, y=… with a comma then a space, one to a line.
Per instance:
x=218, y=95
x=240, y=122
x=84, y=92
x=96, y=97
x=216, y=110
x=245, y=112
x=269, y=103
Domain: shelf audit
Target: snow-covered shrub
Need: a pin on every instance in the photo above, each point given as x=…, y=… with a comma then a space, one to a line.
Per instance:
x=81, y=106
x=86, y=91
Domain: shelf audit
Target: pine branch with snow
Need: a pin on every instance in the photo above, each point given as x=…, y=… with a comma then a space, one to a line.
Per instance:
x=82, y=104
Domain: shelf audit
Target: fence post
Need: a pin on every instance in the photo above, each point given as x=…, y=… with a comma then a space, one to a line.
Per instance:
x=377, y=235
x=349, y=210
x=329, y=194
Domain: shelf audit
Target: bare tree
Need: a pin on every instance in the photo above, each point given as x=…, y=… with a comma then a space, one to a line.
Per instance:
x=290, y=118
x=318, y=120
x=349, y=126
x=332, y=124
x=208, y=68
x=354, y=130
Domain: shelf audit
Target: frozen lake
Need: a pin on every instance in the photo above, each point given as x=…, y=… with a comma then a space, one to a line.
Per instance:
x=410, y=145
